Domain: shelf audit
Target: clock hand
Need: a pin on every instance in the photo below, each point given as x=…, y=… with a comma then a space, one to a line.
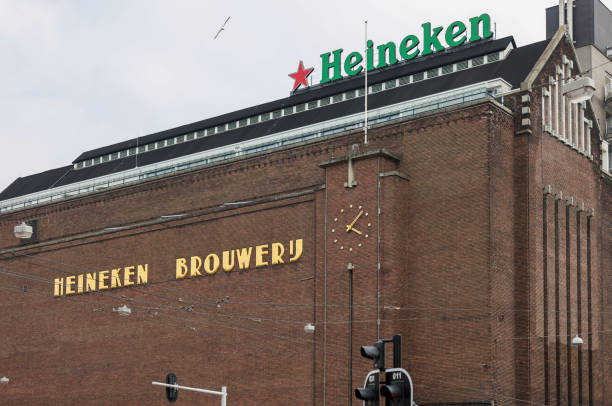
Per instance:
x=355, y=230
x=355, y=220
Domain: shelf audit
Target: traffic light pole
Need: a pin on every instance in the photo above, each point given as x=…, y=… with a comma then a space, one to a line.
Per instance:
x=223, y=392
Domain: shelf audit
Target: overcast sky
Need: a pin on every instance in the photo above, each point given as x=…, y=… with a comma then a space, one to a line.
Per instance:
x=78, y=75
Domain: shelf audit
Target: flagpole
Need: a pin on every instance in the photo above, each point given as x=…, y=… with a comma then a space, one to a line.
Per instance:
x=366, y=83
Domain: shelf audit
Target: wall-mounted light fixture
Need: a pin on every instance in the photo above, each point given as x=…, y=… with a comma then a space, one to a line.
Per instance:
x=577, y=340
x=4, y=380
x=580, y=89
x=23, y=231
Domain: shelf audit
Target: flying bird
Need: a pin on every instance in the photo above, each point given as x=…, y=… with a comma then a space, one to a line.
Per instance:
x=221, y=29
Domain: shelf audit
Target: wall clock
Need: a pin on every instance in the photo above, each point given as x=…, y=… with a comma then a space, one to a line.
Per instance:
x=351, y=228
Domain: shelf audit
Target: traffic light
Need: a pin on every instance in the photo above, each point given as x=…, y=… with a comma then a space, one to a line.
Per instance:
x=375, y=352
x=369, y=393
x=398, y=388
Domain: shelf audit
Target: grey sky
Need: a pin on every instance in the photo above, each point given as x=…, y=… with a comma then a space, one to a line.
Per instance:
x=77, y=75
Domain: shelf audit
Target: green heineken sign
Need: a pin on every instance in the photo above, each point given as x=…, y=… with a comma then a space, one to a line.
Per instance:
x=409, y=48
x=457, y=33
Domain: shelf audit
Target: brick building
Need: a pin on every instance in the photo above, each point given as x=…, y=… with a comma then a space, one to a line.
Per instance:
x=260, y=249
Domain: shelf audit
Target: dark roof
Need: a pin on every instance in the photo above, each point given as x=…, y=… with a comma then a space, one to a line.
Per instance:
x=438, y=59
x=513, y=69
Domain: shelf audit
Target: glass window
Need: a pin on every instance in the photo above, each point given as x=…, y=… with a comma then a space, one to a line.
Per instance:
x=231, y=125
x=96, y=160
x=254, y=119
x=244, y=122
x=462, y=65
x=180, y=138
x=160, y=144
x=288, y=110
x=265, y=116
x=115, y=155
x=350, y=95
x=106, y=158
x=200, y=134
x=312, y=105
x=142, y=148
x=417, y=77
x=79, y=165
x=170, y=141
x=210, y=131
x=337, y=98
x=390, y=84
x=478, y=61
x=132, y=151
x=447, y=69
x=361, y=92
x=220, y=128
x=325, y=101
x=432, y=73
x=300, y=107
x=277, y=114
x=123, y=154
x=88, y=162
x=493, y=57
x=404, y=80
x=377, y=87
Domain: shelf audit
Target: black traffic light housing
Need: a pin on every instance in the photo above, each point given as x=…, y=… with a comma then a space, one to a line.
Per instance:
x=171, y=393
x=375, y=352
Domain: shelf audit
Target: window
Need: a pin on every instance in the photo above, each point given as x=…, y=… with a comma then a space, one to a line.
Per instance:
x=231, y=125
x=106, y=158
x=377, y=88
x=254, y=119
x=96, y=160
x=210, y=131
x=288, y=110
x=79, y=165
x=132, y=151
x=159, y=144
x=312, y=105
x=390, y=84
x=200, y=134
x=462, y=65
x=325, y=101
x=404, y=80
x=350, y=94
x=115, y=155
x=150, y=147
x=432, y=73
x=170, y=141
x=142, y=148
x=300, y=107
x=88, y=162
x=277, y=113
x=123, y=154
x=361, y=92
x=265, y=116
x=220, y=128
x=493, y=57
x=417, y=77
x=478, y=61
x=337, y=98
x=447, y=69
x=244, y=122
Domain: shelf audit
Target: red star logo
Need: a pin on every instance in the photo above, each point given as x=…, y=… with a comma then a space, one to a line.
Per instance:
x=300, y=76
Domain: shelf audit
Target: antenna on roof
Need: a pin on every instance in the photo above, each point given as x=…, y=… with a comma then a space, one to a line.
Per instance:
x=366, y=85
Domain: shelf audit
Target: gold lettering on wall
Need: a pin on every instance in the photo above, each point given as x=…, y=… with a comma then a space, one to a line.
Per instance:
x=113, y=279
x=265, y=254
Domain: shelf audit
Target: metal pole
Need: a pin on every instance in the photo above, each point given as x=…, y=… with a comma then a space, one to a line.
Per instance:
x=223, y=392
x=366, y=84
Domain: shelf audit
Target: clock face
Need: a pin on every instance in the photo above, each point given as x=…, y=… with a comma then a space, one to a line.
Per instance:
x=351, y=228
